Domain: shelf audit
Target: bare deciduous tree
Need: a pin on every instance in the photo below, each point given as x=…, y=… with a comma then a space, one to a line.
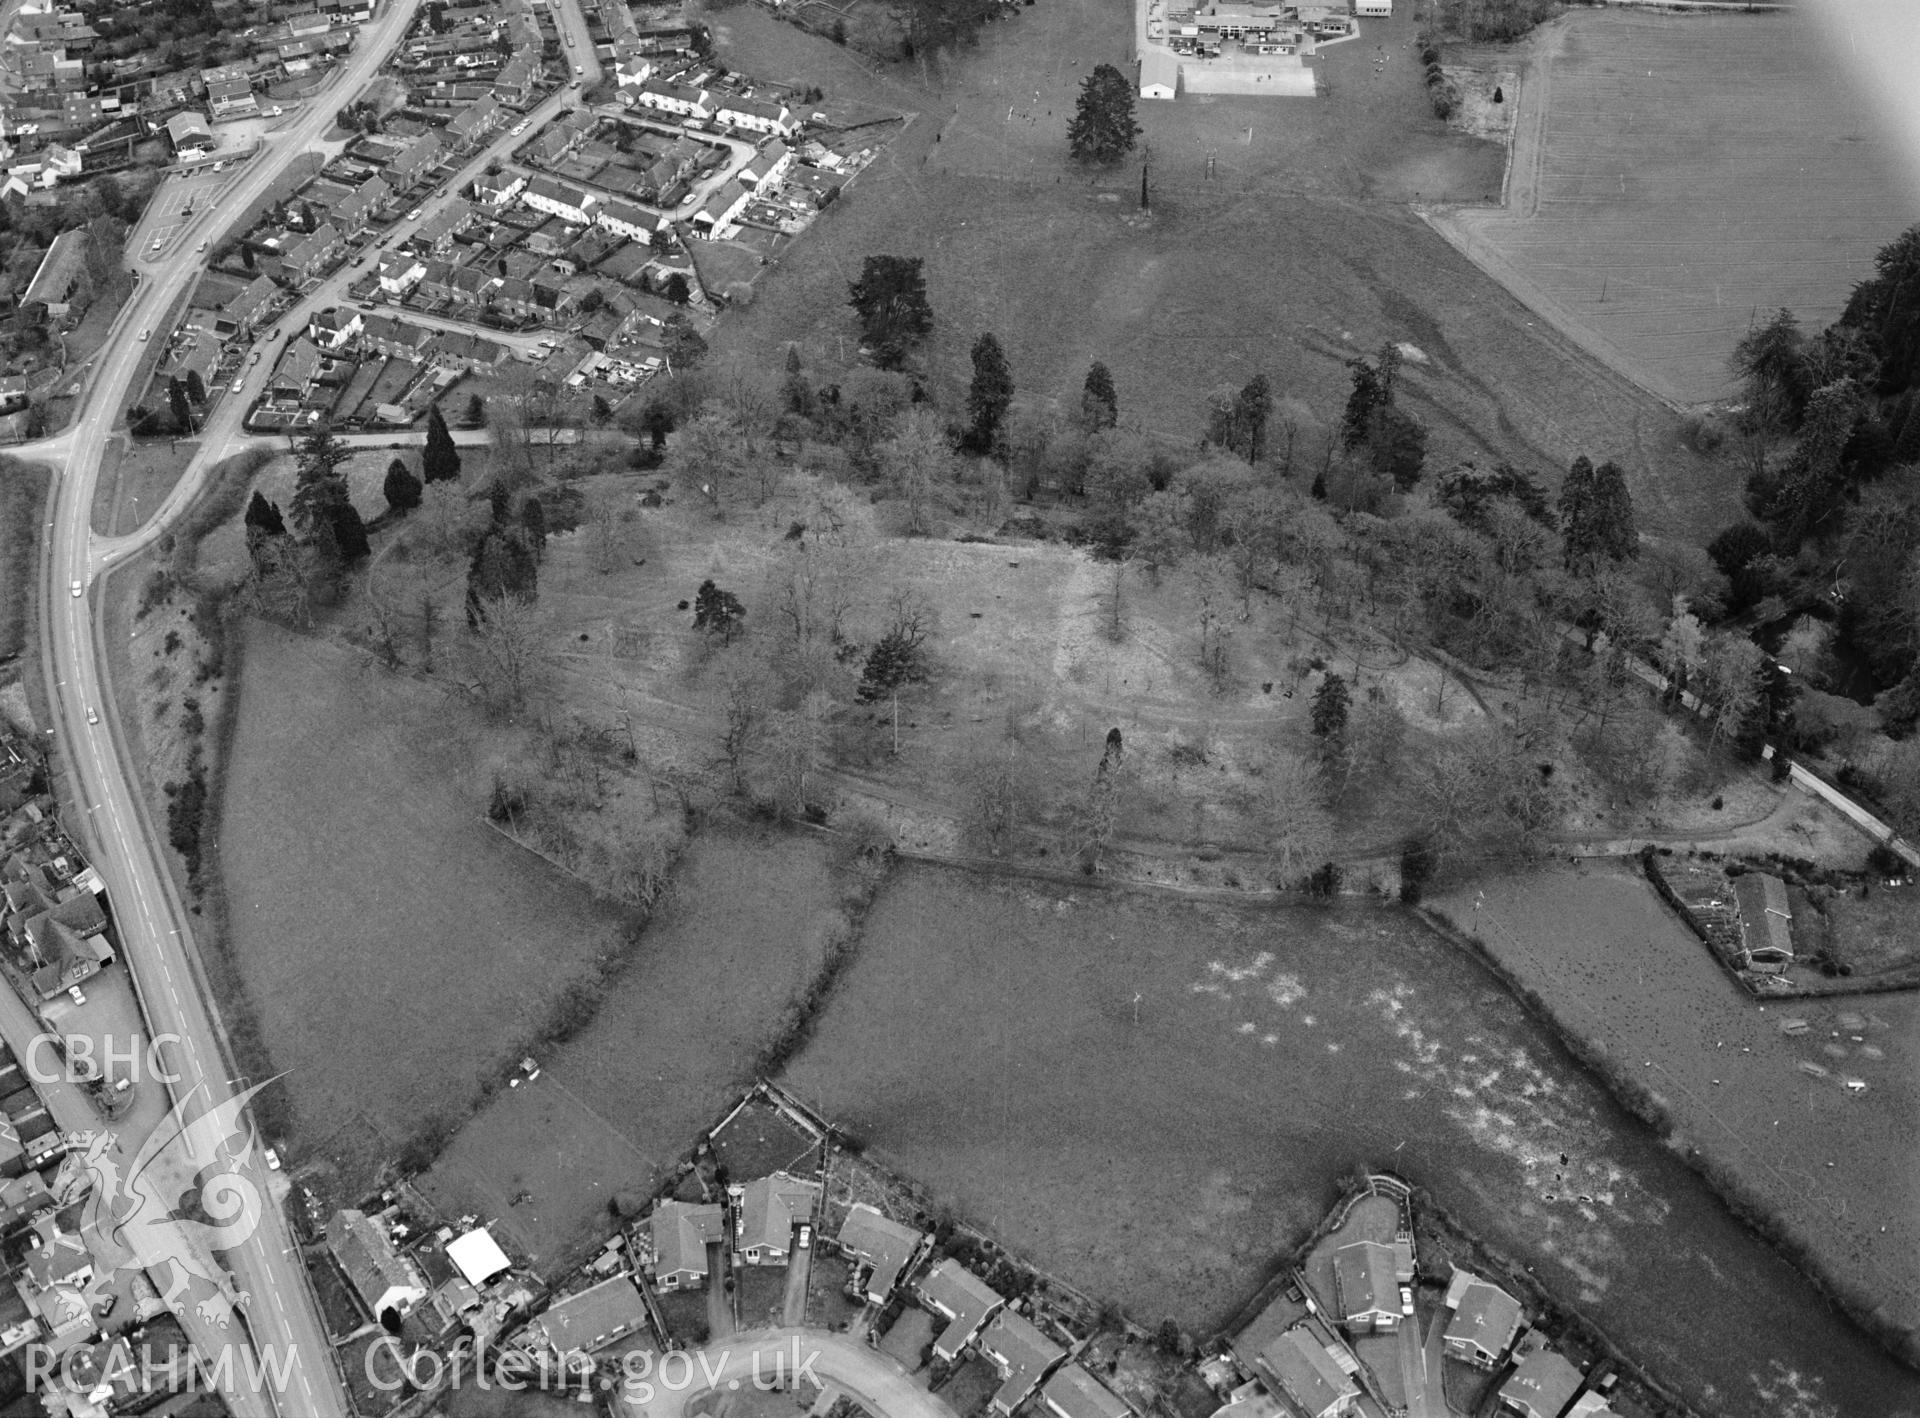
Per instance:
x=512, y=648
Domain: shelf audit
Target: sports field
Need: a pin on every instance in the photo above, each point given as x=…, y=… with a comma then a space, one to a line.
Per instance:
x=1675, y=174
x=1156, y=1099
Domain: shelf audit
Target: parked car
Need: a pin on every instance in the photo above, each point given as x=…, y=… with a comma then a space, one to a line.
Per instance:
x=806, y=1235
x=76, y=994
x=579, y=69
x=569, y=41
x=574, y=85
x=272, y=1159
x=517, y=129
x=255, y=360
x=1406, y=1300
x=414, y=215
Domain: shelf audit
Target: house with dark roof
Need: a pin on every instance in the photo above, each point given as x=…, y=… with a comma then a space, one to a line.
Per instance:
x=462, y=349
x=719, y=210
x=766, y=1212
x=883, y=1249
x=1020, y=1354
x=1483, y=1322
x=437, y=232
x=397, y=339
x=634, y=222
x=590, y=1320
x=960, y=1297
x=308, y=256
x=681, y=1232
x=1072, y=1392
x=296, y=372
x=239, y=315
x=1366, y=1292
x=362, y=207
x=415, y=161
x=1541, y=1387
x=384, y=1280
x=335, y=327
x=513, y=296
x=765, y=169
x=476, y=123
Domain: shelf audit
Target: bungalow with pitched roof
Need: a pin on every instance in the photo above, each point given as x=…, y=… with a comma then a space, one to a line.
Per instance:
x=1020, y=1354
x=962, y=1298
x=1484, y=1321
x=681, y=1232
x=1366, y=1293
x=1541, y=1387
x=1072, y=1392
x=882, y=1248
x=1303, y=1373
x=765, y=1213
x=556, y=198
x=384, y=1280
x=758, y=116
x=589, y=1320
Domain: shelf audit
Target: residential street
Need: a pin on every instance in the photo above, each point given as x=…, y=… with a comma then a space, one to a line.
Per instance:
x=869, y=1377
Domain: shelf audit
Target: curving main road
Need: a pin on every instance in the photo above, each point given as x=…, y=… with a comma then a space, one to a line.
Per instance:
x=155, y=927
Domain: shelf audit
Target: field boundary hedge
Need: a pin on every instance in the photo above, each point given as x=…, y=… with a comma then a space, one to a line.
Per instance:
x=1727, y=1186
x=23, y=500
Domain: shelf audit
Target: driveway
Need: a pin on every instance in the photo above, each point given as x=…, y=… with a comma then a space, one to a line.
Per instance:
x=870, y=1378
x=799, y=1271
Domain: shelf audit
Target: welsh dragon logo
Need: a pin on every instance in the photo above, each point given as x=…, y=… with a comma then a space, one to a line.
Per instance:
x=185, y=1195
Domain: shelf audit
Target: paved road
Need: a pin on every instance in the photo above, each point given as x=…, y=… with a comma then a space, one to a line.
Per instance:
x=154, y=924
x=575, y=42
x=871, y=1378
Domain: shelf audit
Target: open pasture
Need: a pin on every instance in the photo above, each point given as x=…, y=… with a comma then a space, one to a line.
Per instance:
x=1155, y=1100
x=1674, y=176
x=1618, y=969
x=744, y=928
x=396, y=947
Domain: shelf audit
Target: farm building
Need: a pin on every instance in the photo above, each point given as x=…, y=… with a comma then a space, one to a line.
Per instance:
x=1766, y=923
x=1159, y=74
x=955, y=1293
x=883, y=1247
x=1020, y=1354
x=478, y=1257
x=682, y=1231
x=1485, y=1320
x=61, y=274
x=189, y=134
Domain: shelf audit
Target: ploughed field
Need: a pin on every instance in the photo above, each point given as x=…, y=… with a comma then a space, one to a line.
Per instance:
x=1687, y=172
x=1154, y=1099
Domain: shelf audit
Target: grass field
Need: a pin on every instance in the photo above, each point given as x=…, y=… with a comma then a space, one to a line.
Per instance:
x=397, y=946
x=135, y=479
x=1633, y=980
x=23, y=495
x=614, y=1108
x=986, y=1043
x=1676, y=174
x=1302, y=253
